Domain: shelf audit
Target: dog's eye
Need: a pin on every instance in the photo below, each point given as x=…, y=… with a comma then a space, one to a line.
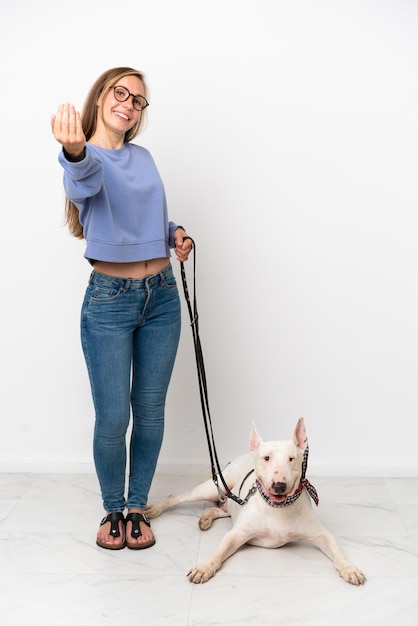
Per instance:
x=291, y=458
x=267, y=458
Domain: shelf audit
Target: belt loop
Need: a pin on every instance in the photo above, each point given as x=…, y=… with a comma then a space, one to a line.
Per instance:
x=91, y=277
x=164, y=273
x=127, y=285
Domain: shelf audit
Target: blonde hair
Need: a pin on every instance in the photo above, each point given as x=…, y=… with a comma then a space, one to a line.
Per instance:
x=108, y=79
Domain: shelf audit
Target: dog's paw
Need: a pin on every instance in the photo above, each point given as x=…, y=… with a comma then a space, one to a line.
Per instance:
x=353, y=575
x=205, y=521
x=200, y=574
x=210, y=514
x=153, y=511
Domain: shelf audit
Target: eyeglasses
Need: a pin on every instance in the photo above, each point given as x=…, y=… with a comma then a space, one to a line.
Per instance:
x=122, y=94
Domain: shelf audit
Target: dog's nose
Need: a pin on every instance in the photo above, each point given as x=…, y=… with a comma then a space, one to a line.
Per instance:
x=279, y=488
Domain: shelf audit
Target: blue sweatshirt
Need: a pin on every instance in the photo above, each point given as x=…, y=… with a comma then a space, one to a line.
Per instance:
x=122, y=205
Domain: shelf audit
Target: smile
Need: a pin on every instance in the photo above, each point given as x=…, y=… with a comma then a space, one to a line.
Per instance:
x=122, y=116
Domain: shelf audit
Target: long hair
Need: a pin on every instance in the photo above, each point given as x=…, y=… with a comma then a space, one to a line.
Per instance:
x=89, y=123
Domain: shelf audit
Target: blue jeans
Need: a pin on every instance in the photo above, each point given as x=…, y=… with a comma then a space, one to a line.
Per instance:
x=130, y=331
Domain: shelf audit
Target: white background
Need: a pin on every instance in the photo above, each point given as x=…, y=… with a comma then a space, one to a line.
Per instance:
x=286, y=133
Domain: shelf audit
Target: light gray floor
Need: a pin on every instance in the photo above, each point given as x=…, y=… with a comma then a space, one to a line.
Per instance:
x=52, y=573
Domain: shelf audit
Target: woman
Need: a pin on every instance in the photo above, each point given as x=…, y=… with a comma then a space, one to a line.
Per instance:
x=130, y=319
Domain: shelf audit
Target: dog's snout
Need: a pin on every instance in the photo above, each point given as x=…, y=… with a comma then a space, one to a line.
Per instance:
x=279, y=488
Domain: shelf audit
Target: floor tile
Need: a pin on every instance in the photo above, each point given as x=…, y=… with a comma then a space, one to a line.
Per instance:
x=232, y=601
x=53, y=574
x=93, y=600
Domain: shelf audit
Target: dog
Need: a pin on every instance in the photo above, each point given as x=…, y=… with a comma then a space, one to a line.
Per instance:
x=278, y=506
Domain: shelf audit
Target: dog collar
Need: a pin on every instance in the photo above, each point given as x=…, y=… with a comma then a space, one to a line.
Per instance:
x=303, y=484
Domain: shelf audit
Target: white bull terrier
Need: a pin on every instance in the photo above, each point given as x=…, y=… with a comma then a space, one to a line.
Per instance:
x=278, y=507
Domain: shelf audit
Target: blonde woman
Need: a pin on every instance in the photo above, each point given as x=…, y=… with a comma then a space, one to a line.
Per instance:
x=130, y=319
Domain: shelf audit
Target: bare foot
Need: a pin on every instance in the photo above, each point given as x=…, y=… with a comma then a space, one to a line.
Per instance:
x=111, y=533
x=138, y=532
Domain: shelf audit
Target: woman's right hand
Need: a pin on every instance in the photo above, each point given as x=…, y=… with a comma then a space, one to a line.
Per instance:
x=67, y=129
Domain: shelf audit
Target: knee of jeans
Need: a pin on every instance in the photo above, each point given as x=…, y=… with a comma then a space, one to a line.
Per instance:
x=111, y=428
x=152, y=411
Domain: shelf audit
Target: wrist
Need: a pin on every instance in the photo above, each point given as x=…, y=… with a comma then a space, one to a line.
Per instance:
x=74, y=158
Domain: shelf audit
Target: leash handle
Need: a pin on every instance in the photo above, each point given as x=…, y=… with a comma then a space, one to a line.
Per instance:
x=203, y=389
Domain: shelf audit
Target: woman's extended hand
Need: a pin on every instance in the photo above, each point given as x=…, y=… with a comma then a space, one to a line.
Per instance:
x=67, y=129
x=182, y=245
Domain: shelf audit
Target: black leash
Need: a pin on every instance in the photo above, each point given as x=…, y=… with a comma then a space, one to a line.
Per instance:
x=194, y=320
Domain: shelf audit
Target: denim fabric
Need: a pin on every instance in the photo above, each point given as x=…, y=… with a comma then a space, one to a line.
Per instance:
x=130, y=331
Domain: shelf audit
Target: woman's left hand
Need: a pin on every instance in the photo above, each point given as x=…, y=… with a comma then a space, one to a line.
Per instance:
x=182, y=244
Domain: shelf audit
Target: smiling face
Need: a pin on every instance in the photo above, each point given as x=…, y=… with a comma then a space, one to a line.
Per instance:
x=115, y=118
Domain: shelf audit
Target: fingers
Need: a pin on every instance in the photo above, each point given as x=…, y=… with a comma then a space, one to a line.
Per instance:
x=67, y=128
x=183, y=248
x=64, y=121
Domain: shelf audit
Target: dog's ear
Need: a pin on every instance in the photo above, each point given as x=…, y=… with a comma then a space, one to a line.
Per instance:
x=255, y=439
x=299, y=436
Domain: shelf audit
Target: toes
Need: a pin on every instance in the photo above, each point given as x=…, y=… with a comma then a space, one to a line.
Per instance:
x=146, y=533
x=198, y=575
x=104, y=536
x=152, y=511
x=353, y=575
x=205, y=522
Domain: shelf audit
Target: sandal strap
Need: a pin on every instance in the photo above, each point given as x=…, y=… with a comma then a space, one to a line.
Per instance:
x=135, y=519
x=114, y=519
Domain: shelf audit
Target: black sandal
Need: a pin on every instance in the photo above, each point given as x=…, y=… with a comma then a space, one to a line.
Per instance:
x=135, y=519
x=114, y=519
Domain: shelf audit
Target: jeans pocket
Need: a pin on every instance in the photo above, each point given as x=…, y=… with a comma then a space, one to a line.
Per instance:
x=100, y=293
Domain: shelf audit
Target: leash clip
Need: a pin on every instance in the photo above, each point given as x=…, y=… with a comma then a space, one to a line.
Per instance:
x=221, y=495
x=250, y=493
